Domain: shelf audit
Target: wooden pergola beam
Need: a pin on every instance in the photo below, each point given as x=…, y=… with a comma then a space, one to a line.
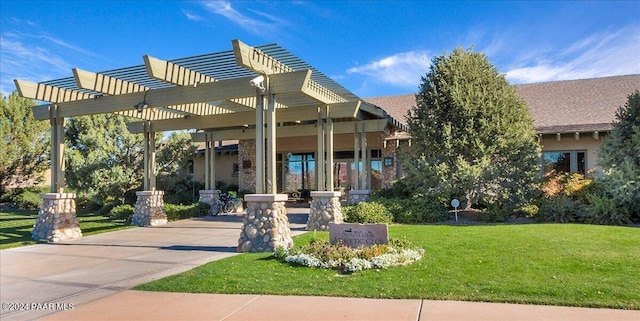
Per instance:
x=105, y=84
x=49, y=93
x=255, y=60
x=172, y=73
x=115, y=86
x=179, y=95
x=342, y=110
x=371, y=126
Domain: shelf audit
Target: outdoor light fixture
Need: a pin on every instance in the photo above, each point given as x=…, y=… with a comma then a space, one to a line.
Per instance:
x=142, y=105
x=258, y=82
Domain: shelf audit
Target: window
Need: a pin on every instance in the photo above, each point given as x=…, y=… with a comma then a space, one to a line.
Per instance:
x=574, y=161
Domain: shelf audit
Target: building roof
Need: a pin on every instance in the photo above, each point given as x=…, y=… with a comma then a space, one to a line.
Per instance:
x=584, y=105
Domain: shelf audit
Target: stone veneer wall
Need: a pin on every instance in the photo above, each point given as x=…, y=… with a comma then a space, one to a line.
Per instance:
x=209, y=196
x=57, y=220
x=266, y=225
x=389, y=172
x=149, y=209
x=247, y=176
x=325, y=209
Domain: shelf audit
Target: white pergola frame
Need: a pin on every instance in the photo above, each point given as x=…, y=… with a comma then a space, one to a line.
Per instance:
x=170, y=95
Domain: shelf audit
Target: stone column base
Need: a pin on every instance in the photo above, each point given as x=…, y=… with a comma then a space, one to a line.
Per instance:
x=149, y=209
x=357, y=196
x=209, y=196
x=325, y=209
x=57, y=220
x=266, y=225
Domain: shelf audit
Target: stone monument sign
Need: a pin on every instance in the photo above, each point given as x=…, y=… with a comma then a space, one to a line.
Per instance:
x=355, y=235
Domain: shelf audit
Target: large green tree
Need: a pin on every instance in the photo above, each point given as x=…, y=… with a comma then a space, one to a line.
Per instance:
x=620, y=157
x=174, y=166
x=103, y=160
x=24, y=143
x=473, y=136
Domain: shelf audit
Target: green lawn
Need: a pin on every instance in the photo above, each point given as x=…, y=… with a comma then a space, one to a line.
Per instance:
x=16, y=226
x=553, y=264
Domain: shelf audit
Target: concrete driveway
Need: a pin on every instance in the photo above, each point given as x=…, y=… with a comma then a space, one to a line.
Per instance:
x=97, y=266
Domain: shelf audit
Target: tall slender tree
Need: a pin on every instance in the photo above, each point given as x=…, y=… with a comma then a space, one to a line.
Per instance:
x=24, y=143
x=473, y=135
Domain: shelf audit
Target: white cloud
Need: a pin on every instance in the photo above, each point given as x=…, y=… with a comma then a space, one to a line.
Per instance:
x=600, y=55
x=246, y=22
x=192, y=16
x=400, y=70
x=30, y=54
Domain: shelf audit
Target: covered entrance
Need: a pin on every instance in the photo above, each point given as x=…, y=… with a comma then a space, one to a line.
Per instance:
x=260, y=96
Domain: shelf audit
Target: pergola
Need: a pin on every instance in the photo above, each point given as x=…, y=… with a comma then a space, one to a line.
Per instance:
x=223, y=95
x=211, y=93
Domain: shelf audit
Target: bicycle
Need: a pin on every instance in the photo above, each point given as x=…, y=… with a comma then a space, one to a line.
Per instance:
x=225, y=204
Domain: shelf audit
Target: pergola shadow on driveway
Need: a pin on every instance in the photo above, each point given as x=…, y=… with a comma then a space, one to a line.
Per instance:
x=93, y=267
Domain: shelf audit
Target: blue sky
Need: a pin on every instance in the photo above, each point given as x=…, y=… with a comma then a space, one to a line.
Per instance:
x=373, y=48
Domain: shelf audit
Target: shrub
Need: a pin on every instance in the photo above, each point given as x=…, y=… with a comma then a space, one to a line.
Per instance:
x=106, y=209
x=493, y=213
x=574, y=185
x=25, y=197
x=367, y=212
x=319, y=253
x=203, y=208
x=423, y=209
x=605, y=210
x=560, y=209
x=181, y=212
x=122, y=212
x=398, y=189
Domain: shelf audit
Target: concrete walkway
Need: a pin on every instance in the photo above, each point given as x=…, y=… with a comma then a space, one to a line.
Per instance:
x=90, y=278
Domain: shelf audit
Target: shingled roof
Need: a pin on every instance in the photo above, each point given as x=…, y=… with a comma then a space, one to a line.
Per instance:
x=584, y=105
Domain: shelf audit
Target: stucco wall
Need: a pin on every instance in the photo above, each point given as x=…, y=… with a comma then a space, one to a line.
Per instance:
x=224, y=168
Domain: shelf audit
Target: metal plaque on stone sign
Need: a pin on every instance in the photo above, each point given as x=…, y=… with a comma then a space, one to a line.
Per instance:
x=356, y=235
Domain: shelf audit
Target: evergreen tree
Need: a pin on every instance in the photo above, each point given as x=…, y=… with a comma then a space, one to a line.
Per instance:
x=103, y=160
x=174, y=164
x=473, y=136
x=24, y=143
x=620, y=157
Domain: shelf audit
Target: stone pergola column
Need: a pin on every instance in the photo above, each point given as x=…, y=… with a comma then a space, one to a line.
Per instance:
x=325, y=208
x=266, y=225
x=360, y=195
x=325, y=205
x=149, y=209
x=57, y=220
x=209, y=196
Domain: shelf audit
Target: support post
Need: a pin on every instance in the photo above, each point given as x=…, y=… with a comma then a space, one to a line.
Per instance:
x=57, y=220
x=365, y=180
x=329, y=163
x=210, y=166
x=356, y=157
x=320, y=157
x=259, y=142
x=57, y=151
x=271, y=145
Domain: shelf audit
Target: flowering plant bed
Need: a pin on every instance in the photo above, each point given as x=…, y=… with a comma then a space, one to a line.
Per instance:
x=322, y=254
